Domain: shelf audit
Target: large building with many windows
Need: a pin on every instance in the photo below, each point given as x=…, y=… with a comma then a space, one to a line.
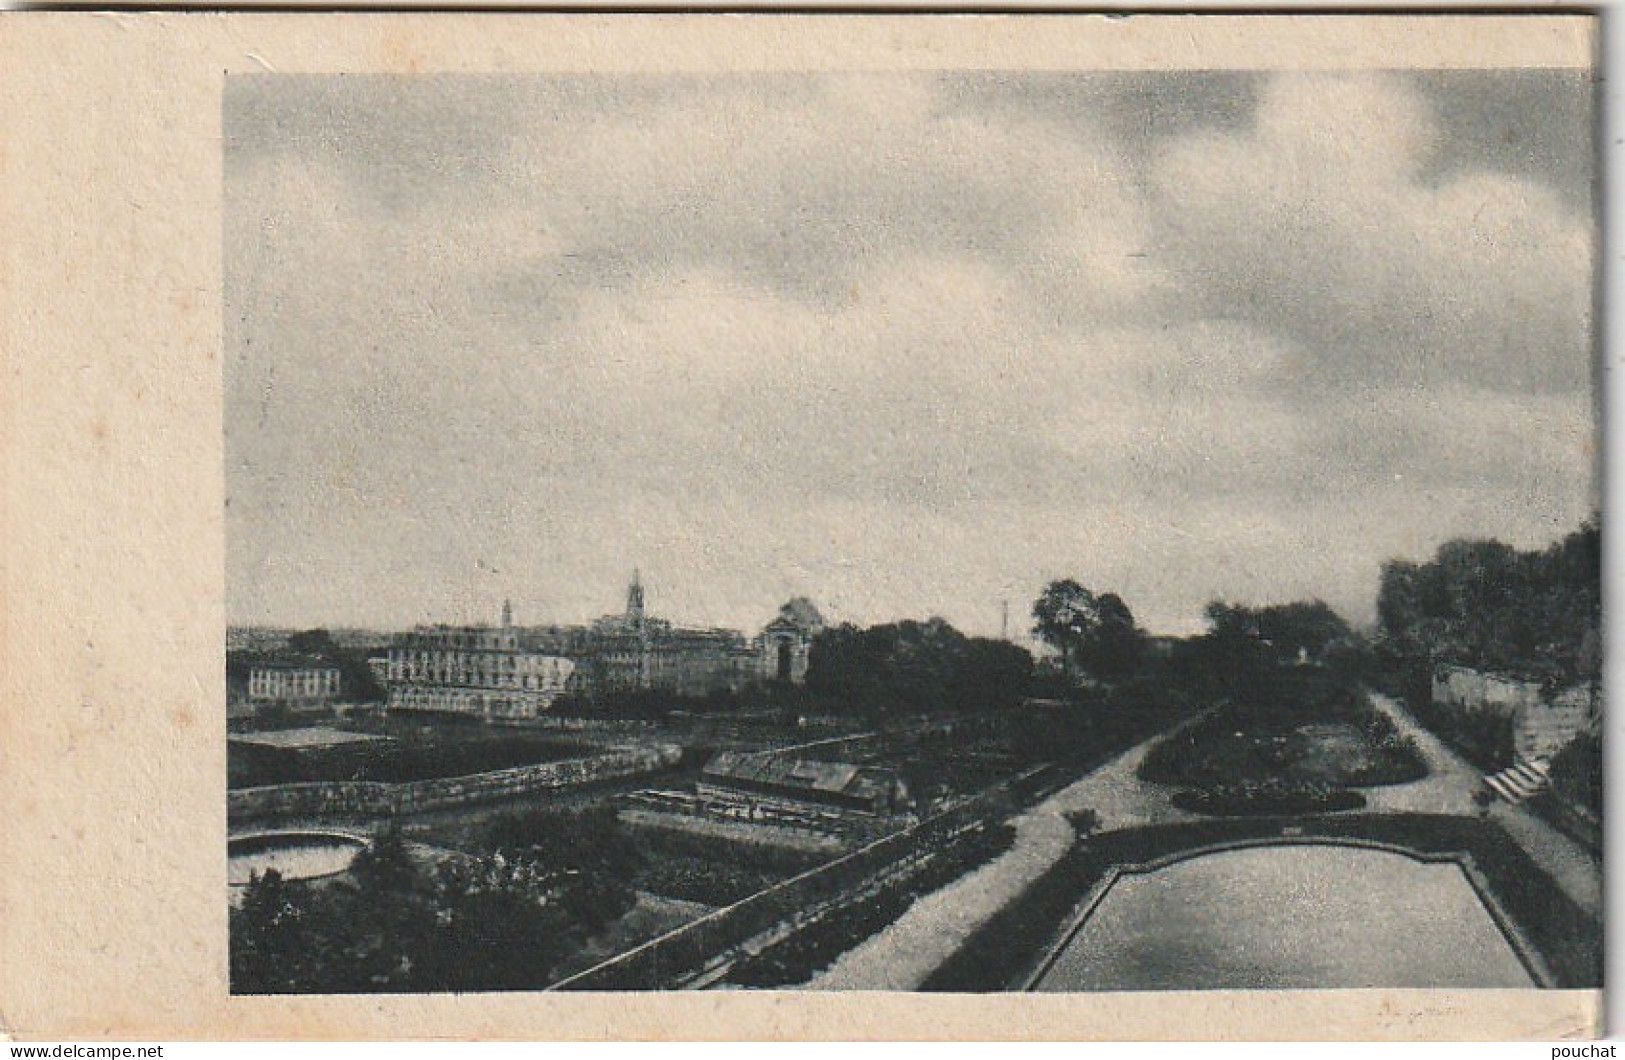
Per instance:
x=632, y=652
x=479, y=670
x=513, y=672
x=296, y=684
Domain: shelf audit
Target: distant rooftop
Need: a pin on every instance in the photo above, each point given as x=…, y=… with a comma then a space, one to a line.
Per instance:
x=768, y=768
x=802, y=613
x=302, y=739
x=289, y=661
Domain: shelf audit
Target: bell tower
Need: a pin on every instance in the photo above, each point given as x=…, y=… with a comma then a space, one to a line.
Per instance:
x=634, y=602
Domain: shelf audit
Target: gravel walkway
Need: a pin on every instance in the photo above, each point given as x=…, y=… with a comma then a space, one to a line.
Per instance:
x=910, y=948
x=937, y=924
x=1449, y=788
x=902, y=955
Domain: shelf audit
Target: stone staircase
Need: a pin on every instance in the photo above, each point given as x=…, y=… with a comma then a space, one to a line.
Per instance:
x=1523, y=778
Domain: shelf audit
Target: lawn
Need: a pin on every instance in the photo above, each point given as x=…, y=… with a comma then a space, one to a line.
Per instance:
x=424, y=752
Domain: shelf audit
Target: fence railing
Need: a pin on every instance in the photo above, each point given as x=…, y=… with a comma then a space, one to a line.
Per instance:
x=664, y=960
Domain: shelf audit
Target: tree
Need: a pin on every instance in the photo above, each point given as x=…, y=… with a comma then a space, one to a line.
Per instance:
x=1306, y=628
x=386, y=864
x=317, y=642
x=1097, y=631
x=914, y=667
x=1230, y=621
x=499, y=925
x=277, y=939
x=991, y=674
x=1062, y=615
x=1114, y=648
x=356, y=676
x=590, y=840
x=1484, y=604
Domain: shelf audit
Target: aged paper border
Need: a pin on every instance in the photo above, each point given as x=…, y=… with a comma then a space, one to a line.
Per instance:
x=112, y=923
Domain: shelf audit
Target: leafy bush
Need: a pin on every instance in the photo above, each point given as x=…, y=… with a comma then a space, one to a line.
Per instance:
x=705, y=880
x=1098, y=724
x=1577, y=773
x=1484, y=736
x=591, y=840
x=498, y=921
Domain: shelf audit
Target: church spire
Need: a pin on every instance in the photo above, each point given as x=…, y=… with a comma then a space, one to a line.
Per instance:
x=634, y=600
x=507, y=614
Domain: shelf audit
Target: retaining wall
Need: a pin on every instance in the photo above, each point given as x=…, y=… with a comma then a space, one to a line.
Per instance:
x=365, y=798
x=665, y=961
x=1543, y=721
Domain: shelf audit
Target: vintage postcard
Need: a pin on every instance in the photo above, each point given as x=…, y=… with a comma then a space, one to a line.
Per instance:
x=517, y=521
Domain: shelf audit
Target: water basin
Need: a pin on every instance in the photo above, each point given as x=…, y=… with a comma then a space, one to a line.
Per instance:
x=1289, y=917
x=296, y=855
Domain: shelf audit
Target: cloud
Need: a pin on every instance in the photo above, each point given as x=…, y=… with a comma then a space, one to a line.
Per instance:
x=1315, y=221
x=905, y=343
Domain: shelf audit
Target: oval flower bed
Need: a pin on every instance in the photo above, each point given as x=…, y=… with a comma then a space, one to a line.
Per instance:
x=1267, y=798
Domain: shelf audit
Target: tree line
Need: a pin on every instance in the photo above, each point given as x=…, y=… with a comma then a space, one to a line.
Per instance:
x=1489, y=606
x=914, y=667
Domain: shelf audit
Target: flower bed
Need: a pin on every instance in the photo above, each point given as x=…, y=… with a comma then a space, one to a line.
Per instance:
x=1268, y=798
x=1305, y=729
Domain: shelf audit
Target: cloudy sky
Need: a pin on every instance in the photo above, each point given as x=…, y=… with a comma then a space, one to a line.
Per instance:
x=906, y=344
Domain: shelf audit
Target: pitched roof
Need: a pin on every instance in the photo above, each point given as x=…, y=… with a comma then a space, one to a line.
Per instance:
x=767, y=768
x=292, y=661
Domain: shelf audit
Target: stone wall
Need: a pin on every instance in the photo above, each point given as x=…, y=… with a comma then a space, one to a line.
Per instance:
x=1543, y=721
x=370, y=799
x=664, y=961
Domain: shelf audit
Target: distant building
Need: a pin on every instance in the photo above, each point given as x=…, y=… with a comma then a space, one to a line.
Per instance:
x=474, y=670
x=256, y=638
x=632, y=652
x=294, y=684
x=785, y=644
x=773, y=778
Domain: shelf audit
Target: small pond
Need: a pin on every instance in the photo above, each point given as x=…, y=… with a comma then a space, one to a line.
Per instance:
x=296, y=855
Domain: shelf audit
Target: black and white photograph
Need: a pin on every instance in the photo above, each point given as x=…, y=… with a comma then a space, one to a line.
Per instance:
x=931, y=530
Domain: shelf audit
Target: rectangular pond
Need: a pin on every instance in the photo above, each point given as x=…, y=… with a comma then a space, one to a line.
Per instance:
x=1300, y=916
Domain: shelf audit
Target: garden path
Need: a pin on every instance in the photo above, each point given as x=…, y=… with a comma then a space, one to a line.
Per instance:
x=1449, y=788
x=901, y=956
x=938, y=924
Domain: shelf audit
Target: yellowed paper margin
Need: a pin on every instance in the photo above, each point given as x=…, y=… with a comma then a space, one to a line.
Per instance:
x=112, y=765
